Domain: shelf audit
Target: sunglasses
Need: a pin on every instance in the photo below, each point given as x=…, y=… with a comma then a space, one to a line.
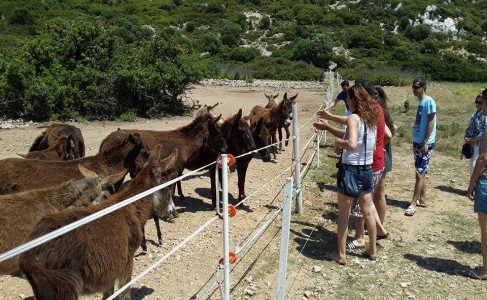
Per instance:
x=478, y=102
x=416, y=87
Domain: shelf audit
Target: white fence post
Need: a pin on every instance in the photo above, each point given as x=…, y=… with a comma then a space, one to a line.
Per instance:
x=226, y=260
x=297, y=166
x=286, y=224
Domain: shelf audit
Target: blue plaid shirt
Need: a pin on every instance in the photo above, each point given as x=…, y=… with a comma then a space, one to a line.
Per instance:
x=476, y=125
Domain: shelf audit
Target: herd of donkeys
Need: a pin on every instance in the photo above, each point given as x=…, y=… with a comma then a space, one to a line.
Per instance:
x=55, y=184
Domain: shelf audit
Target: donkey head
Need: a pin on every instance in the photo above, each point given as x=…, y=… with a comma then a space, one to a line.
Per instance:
x=129, y=149
x=163, y=169
x=262, y=139
x=65, y=147
x=205, y=109
x=93, y=188
x=284, y=107
x=271, y=98
x=240, y=133
x=216, y=140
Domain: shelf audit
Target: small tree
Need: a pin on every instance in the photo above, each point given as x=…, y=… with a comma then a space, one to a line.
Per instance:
x=317, y=50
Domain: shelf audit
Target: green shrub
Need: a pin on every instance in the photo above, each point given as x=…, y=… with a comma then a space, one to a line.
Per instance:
x=244, y=54
x=128, y=117
x=317, y=50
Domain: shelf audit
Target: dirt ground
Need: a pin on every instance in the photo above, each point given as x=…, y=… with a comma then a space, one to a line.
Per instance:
x=424, y=258
x=188, y=271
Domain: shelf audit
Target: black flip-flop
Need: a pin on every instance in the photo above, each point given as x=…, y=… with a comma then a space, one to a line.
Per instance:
x=382, y=237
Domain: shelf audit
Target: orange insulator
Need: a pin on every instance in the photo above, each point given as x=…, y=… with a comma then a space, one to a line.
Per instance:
x=232, y=257
x=230, y=159
x=232, y=211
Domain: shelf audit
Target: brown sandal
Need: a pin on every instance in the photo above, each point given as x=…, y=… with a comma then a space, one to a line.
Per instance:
x=369, y=256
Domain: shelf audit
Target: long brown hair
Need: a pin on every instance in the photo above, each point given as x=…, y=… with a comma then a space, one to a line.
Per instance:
x=364, y=105
x=383, y=99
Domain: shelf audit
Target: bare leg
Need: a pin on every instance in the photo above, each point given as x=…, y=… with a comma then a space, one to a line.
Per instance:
x=423, y=192
x=483, y=243
x=359, y=231
x=380, y=198
x=418, y=188
x=364, y=200
x=344, y=203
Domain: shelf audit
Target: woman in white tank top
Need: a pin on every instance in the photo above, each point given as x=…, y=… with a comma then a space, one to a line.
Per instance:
x=354, y=178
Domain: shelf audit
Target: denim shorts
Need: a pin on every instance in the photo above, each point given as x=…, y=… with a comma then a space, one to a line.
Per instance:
x=422, y=160
x=354, y=180
x=356, y=210
x=480, y=196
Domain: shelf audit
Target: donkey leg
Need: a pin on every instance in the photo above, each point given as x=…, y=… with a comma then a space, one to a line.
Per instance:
x=180, y=190
x=280, y=137
x=158, y=229
x=288, y=134
x=212, y=171
x=143, y=243
x=241, y=173
x=108, y=293
x=124, y=279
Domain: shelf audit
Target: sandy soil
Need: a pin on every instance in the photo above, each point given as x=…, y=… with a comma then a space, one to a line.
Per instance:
x=190, y=271
x=425, y=258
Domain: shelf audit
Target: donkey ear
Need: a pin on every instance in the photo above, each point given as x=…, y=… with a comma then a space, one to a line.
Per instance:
x=170, y=161
x=285, y=97
x=86, y=172
x=215, y=120
x=113, y=179
x=259, y=125
x=292, y=98
x=276, y=95
x=239, y=115
x=22, y=155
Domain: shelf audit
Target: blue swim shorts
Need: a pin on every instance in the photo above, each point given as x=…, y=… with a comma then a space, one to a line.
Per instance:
x=422, y=160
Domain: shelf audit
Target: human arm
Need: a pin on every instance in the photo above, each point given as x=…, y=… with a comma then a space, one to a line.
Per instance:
x=387, y=134
x=325, y=114
x=352, y=132
x=431, y=124
x=478, y=170
x=324, y=125
x=333, y=104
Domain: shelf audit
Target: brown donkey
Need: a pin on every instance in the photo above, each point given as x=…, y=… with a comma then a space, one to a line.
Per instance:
x=54, y=132
x=198, y=143
x=282, y=123
x=21, y=211
x=93, y=257
x=238, y=135
x=62, y=149
x=124, y=152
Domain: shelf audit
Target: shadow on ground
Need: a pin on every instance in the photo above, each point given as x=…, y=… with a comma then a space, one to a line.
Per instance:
x=447, y=266
x=315, y=242
x=471, y=247
x=397, y=203
x=451, y=190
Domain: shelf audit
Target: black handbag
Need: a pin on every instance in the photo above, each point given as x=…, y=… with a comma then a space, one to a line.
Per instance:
x=467, y=151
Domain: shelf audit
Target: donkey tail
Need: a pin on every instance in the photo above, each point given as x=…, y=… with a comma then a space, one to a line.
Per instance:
x=51, y=284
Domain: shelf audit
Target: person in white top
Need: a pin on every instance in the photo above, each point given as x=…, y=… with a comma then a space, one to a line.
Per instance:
x=354, y=178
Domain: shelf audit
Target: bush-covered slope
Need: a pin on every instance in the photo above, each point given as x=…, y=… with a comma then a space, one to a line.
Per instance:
x=104, y=58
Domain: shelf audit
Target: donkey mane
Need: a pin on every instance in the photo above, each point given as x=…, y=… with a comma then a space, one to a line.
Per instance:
x=195, y=124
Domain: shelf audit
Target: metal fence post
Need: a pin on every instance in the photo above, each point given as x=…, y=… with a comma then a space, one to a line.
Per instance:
x=226, y=259
x=286, y=224
x=297, y=166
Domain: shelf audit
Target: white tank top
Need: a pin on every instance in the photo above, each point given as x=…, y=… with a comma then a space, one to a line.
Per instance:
x=360, y=156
